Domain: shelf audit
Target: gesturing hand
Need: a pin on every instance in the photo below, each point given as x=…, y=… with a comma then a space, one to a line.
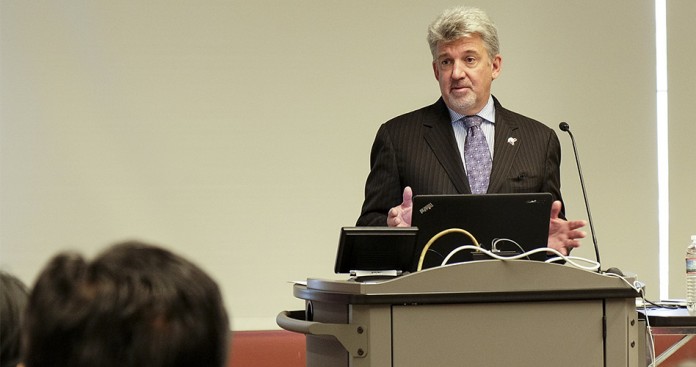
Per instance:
x=400, y=216
x=564, y=235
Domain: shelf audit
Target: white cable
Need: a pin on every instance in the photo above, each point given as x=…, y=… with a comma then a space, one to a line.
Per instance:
x=436, y=237
x=651, y=338
x=494, y=244
x=637, y=286
x=461, y=248
x=568, y=259
x=640, y=288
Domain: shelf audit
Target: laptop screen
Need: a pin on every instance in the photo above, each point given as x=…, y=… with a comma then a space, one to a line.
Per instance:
x=516, y=222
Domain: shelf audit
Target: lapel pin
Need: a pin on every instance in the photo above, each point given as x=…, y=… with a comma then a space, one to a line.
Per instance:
x=512, y=141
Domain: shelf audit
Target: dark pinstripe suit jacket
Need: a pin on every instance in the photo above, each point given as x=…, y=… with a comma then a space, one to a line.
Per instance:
x=418, y=149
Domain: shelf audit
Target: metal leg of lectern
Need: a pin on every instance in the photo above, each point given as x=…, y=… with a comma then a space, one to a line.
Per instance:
x=675, y=347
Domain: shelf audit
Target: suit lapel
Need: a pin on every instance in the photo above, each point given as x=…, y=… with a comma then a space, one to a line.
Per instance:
x=506, y=147
x=440, y=137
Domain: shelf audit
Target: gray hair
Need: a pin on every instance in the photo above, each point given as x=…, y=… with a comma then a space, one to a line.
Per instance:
x=459, y=22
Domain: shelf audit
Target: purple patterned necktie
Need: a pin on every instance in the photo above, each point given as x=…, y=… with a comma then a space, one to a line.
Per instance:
x=477, y=155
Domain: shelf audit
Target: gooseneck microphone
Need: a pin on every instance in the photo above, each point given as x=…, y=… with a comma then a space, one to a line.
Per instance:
x=565, y=127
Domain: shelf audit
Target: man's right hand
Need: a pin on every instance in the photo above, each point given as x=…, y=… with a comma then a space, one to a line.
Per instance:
x=400, y=216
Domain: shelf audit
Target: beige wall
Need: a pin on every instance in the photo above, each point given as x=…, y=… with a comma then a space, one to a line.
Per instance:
x=682, y=132
x=238, y=133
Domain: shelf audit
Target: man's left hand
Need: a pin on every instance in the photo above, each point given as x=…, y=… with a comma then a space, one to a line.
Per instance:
x=564, y=235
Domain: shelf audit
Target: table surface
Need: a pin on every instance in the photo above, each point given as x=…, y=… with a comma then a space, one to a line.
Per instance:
x=668, y=317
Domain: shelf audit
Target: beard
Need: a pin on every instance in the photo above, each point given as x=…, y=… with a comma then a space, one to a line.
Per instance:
x=462, y=104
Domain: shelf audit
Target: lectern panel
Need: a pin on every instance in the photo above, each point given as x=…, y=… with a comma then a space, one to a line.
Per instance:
x=499, y=334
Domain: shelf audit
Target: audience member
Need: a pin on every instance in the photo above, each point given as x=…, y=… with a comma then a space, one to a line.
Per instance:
x=13, y=300
x=134, y=305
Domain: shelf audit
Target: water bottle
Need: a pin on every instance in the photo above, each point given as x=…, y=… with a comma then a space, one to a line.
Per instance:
x=691, y=276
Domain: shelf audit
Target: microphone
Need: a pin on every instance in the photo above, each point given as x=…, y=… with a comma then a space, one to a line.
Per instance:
x=565, y=127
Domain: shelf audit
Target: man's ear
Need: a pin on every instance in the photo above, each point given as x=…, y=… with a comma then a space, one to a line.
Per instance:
x=497, y=66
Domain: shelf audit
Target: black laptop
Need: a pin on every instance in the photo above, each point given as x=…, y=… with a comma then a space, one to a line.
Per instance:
x=522, y=218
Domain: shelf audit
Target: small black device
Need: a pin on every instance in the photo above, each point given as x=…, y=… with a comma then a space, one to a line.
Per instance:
x=375, y=250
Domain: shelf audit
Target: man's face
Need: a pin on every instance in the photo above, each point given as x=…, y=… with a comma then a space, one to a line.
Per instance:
x=465, y=73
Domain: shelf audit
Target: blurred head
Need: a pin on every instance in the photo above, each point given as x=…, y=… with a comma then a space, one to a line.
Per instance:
x=466, y=58
x=134, y=305
x=13, y=300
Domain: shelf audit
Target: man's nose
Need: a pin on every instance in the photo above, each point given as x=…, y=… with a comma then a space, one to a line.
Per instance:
x=458, y=70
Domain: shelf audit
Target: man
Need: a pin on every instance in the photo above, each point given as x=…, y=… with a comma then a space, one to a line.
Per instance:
x=134, y=305
x=466, y=142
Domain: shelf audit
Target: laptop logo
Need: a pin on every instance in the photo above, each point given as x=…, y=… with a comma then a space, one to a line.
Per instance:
x=427, y=207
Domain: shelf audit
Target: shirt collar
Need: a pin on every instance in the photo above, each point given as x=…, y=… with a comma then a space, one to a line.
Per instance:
x=487, y=113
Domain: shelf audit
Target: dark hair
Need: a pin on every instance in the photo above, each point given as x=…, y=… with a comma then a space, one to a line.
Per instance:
x=13, y=300
x=135, y=305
